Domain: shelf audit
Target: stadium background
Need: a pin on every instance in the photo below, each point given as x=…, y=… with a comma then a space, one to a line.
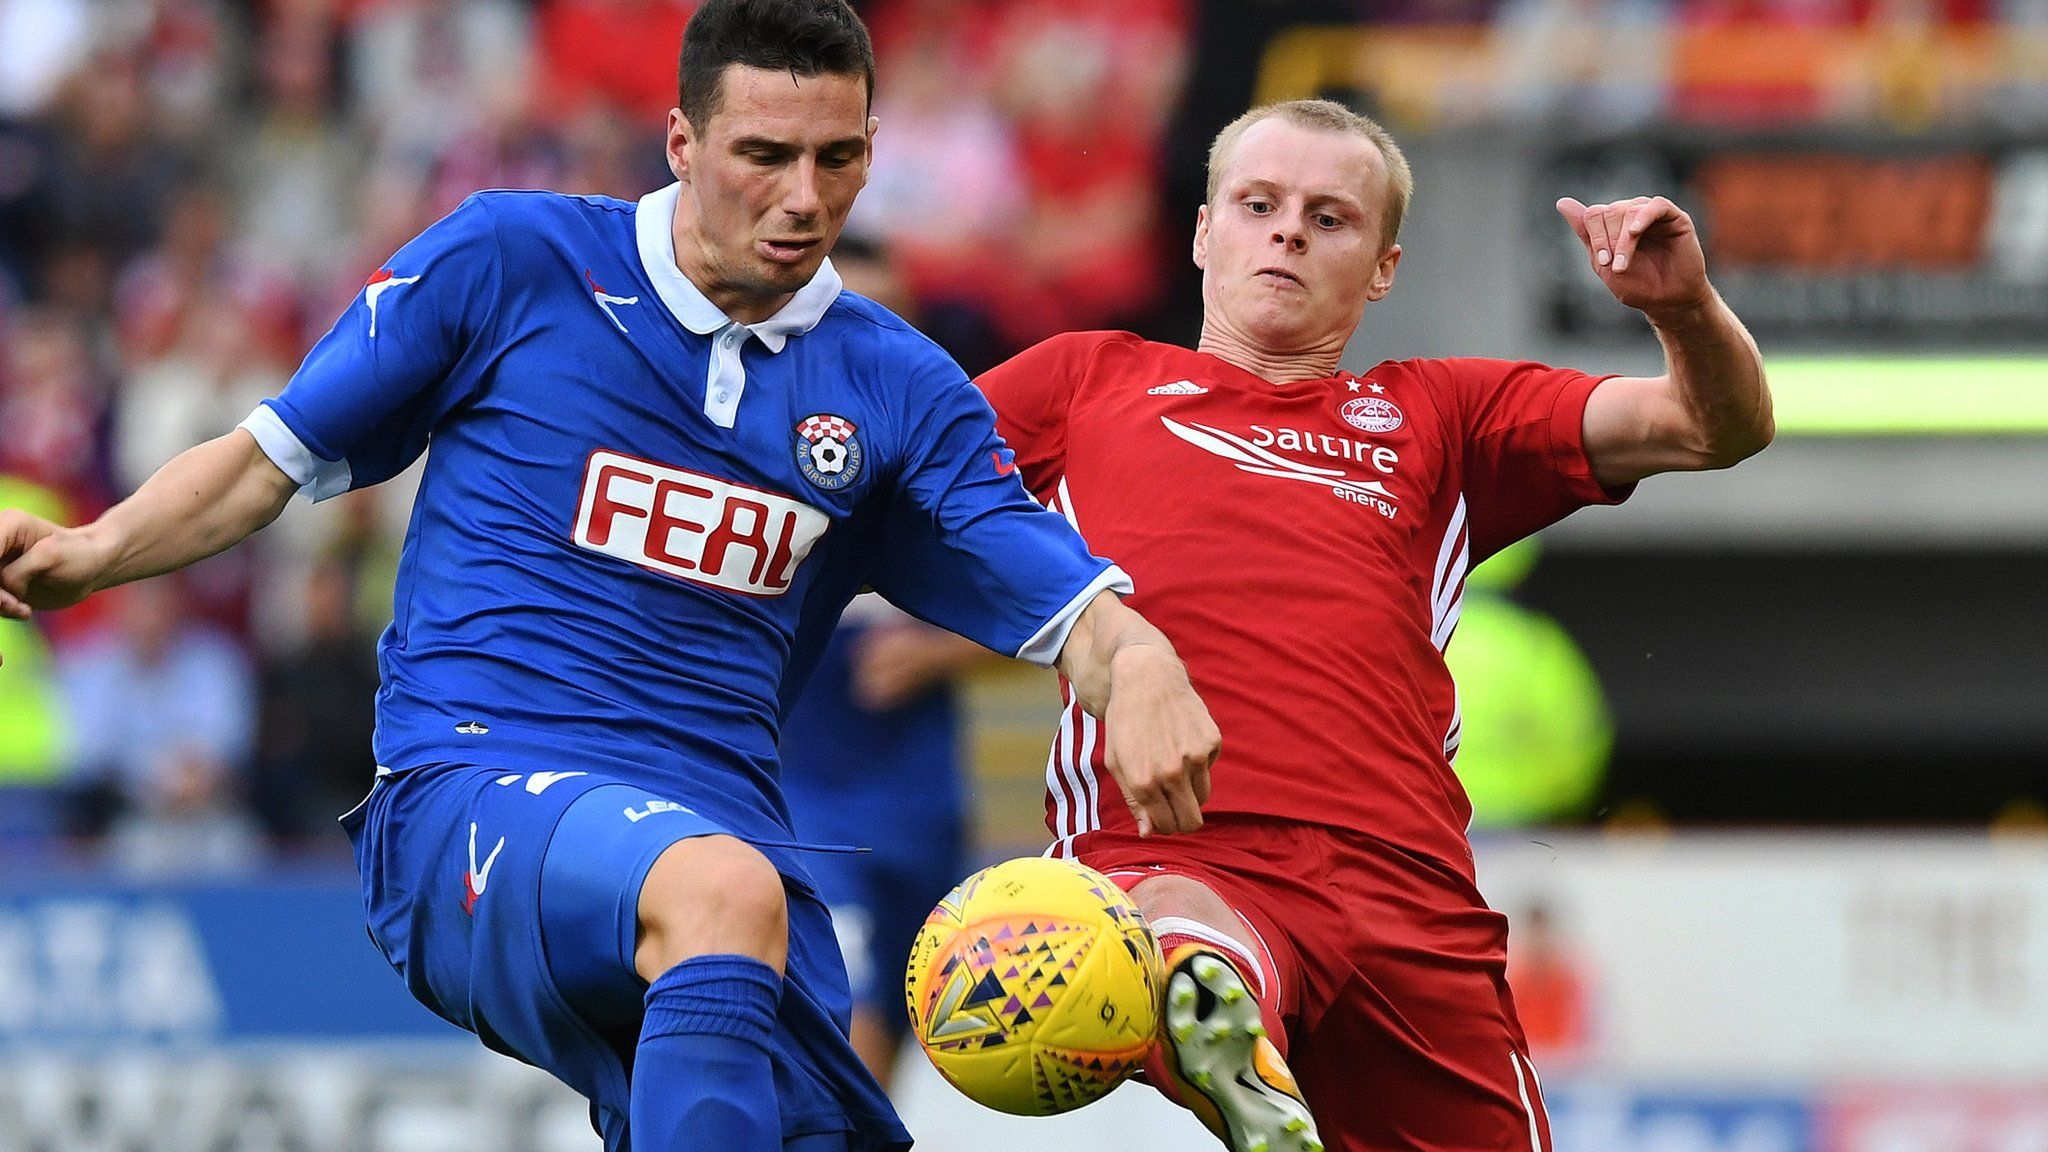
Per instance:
x=1766, y=759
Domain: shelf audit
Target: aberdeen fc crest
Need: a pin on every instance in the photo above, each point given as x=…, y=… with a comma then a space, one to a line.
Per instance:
x=827, y=451
x=1372, y=414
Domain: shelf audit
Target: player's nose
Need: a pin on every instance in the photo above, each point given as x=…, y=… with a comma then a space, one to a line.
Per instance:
x=801, y=196
x=1291, y=234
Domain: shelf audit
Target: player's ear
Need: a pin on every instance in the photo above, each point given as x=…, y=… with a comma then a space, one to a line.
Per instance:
x=1383, y=274
x=1202, y=237
x=680, y=137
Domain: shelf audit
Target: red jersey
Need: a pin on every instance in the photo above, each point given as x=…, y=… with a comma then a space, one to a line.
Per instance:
x=1304, y=546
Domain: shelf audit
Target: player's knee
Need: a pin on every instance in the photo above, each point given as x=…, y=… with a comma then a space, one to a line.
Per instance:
x=1181, y=896
x=711, y=895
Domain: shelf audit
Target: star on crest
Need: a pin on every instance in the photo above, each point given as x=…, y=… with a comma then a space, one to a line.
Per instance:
x=1378, y=388
x=1353, y=385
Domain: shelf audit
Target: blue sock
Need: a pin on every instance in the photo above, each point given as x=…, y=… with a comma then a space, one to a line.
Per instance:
x=702, y=1078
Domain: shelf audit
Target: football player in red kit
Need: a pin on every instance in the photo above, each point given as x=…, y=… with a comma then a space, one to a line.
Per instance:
x=1303, y=535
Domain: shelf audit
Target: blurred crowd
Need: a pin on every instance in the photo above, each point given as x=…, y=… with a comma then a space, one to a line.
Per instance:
x=191, y=191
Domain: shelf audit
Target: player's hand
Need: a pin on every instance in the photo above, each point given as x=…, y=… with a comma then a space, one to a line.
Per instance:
x=895, y=664
x=1645, y=250
x=43, y=565
x=1162, y=740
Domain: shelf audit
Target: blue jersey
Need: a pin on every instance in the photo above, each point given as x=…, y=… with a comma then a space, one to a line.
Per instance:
x=640, y=518
x=858, y=776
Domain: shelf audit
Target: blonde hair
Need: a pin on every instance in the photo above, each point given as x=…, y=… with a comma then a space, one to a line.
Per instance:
x=1327, y=116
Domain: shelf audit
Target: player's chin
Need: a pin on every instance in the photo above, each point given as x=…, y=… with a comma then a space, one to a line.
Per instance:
x=779, y=276
x=1279, y=325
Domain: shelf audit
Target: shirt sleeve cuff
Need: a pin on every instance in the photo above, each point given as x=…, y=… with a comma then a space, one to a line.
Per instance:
x=318, y=479
x=1044, y=646
x=1568, y=444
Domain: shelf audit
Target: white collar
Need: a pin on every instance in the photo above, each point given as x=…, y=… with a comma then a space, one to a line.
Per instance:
x=657, y=245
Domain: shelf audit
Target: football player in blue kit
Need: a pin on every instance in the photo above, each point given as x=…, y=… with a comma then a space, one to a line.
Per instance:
x=667, y=449
x=873, y=745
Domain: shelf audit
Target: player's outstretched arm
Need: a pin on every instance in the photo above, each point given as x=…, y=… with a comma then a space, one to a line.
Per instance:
x=897, y=662
x=1161, y=737
x=206, y=499
x=1711, y=408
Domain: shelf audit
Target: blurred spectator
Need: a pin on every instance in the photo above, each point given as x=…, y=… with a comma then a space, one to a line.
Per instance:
x=113, y=176
x=1604, y=63
x=946, y=194
x=507, y=145
x=867, y=269
x=313, y=757
x=162, y=713
x=52, y=404
x=1553, y=990
x=28, y=224
x=77, y=279
x=198, y=389
x=41, y=43
x=161, y=293
x=188, y=59
x=295, y=178
x=614, y=54
x=610, y=155
x=417, y=66
x=1018, y=168
x=1090, y=87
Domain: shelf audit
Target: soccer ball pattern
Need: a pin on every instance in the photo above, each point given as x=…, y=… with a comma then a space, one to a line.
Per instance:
x=829, y=457
x=1034, y=986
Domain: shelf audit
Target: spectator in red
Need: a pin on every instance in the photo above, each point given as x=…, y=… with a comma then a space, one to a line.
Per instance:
x=946, y=195
x=158, y=293
x=619, y=54
x=1553, y=990
x=53, y=404
x=1089, y=86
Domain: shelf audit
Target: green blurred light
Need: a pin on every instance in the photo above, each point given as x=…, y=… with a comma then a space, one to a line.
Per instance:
x=1536, y=731
x=1910, y=395
x=31, y=742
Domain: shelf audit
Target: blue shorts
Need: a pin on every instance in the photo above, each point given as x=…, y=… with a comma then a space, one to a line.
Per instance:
x=879, y=900
x=508, y=900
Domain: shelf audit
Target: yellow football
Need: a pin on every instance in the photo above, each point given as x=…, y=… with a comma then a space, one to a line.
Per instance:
x=1034, y=986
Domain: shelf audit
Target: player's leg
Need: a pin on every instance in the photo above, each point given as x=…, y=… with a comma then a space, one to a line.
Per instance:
x=1221, y=1052
x=875, y=1039
x=858, y=890
x=1417, y=1046
x=510, y=900
x=898, y=895
x=1420, y=1058
x=713, y=934
x=708, y=973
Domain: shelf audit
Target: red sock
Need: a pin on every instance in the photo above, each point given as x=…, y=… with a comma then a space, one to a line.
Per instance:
x=1256, y=969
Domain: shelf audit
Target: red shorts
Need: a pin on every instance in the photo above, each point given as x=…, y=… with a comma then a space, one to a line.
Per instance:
x=1391, y=977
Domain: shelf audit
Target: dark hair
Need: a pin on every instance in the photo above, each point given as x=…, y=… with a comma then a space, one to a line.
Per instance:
x=801, y=37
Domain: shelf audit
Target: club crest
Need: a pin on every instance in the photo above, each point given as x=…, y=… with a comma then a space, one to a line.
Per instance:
x=827, y=452
x=1371, y=414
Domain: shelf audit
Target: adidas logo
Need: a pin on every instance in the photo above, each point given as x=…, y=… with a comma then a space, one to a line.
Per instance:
x=1178, y=388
